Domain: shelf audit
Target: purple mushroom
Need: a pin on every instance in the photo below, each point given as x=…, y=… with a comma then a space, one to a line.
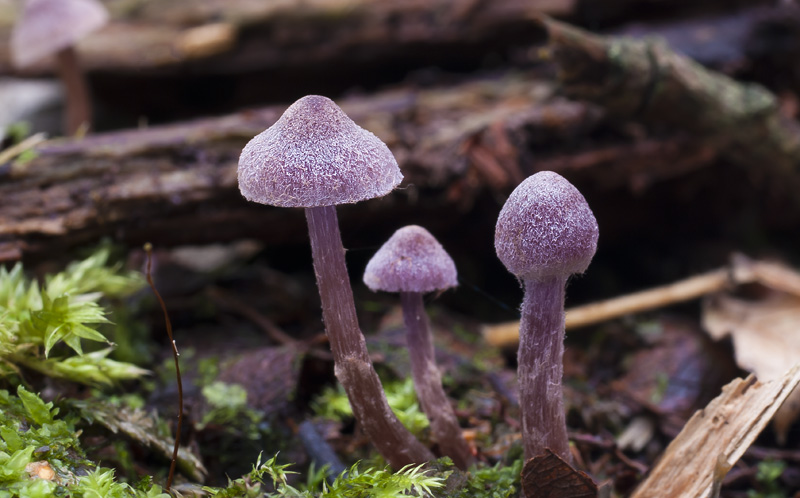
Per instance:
x=412, y=262
x=315, y=157
x=545, y=233
x=54, y=27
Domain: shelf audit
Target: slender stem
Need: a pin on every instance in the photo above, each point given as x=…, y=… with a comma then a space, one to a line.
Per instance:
x=79, y=106
x=428, y=383
x=353, y=366
x=176, y=356
x=540, y=368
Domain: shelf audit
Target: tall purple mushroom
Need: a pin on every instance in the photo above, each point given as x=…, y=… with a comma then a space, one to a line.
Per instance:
x=545, y=233
x=54, y=27
x=412, y=262
x=316, y=157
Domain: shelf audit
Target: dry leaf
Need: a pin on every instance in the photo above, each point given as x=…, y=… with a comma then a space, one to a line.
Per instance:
x=766, y=340
x=717, y=435
x=549, y=476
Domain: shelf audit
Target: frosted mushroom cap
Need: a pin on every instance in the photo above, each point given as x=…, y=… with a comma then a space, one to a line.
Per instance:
x=315, y=155
x=412, y=260
x=48, y=26
x=546, y=229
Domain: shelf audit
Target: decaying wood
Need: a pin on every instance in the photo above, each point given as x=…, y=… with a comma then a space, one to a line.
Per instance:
x=177, y=183
x=257, y=34
x=244, y=35
x=648, y=82
x=742, y=270
x=717, y=436
x=763, y=330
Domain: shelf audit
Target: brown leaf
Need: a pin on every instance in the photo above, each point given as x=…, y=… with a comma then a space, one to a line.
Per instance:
x=269, y=375
x=680, y=371
x=765, y=339
x=549, y=476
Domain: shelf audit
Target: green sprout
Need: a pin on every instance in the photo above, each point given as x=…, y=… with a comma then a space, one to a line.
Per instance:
x=35, y=319
x=332, y=403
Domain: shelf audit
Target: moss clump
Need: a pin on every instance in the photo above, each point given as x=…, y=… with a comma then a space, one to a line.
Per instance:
x=353, y=483
x=41, y=456
x=333, y=404
x=42, y=326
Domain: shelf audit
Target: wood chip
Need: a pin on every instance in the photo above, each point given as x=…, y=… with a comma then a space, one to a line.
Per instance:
x=765, y=340
x=719, y=433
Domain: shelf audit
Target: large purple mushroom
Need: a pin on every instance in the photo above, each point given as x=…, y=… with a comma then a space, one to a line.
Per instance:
x=545, y=233
x=412, y=263
x=316, y=157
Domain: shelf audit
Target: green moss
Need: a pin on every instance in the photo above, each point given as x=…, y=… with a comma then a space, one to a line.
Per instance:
x=500, y=481
x=353, y=483
x=42, y=327
x=228, y=409
x=402, y=398
x=31, y=431
x=768, y=478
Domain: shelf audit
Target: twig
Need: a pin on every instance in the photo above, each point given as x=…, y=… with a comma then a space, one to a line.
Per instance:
x=149, y=250
x=319, y=450
x=17, y=149
x=507, y=334
x=684, y=290
x=742, y=270
x=274, y=332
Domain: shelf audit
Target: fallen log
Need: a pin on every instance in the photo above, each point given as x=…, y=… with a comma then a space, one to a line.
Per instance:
x=262, y=35
x=177, y=183
x=224, y=36
x=646, y=81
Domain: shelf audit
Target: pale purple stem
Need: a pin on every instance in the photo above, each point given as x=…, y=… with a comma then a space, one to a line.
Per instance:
x=428, y=383
x=540, y=368
x=353, y=366
x=78, y=104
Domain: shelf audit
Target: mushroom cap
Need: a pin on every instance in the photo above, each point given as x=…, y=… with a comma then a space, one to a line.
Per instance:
x=48, y=26
x=412, y=260
x=315, y=155
x=546, y=229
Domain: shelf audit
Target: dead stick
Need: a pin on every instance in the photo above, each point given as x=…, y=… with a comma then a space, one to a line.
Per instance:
x=274, y=332
x=742, y=270
x=507, y=334
x=148, y=248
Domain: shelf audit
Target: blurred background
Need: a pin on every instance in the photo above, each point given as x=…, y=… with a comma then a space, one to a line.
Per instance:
x=469, y=95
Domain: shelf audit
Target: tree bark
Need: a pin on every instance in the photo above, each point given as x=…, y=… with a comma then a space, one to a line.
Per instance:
x=177, y=183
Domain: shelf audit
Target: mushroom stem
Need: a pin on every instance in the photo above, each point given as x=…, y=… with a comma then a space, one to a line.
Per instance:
x=78, y=106
x=428, y=383
x=353, y=366
x=540, y=368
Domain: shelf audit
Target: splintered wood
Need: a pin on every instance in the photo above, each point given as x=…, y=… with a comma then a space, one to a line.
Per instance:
x=765, y=340
x=717, y=436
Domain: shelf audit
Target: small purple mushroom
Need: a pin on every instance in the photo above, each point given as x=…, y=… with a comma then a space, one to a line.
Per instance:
x=412, y=262
x=545, y=233
x=315, y=157
x=54, y=27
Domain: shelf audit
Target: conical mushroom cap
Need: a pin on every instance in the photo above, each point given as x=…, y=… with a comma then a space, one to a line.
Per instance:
x=546, y=229
x=412, y=260
x=47, y=26
x=315, y=155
